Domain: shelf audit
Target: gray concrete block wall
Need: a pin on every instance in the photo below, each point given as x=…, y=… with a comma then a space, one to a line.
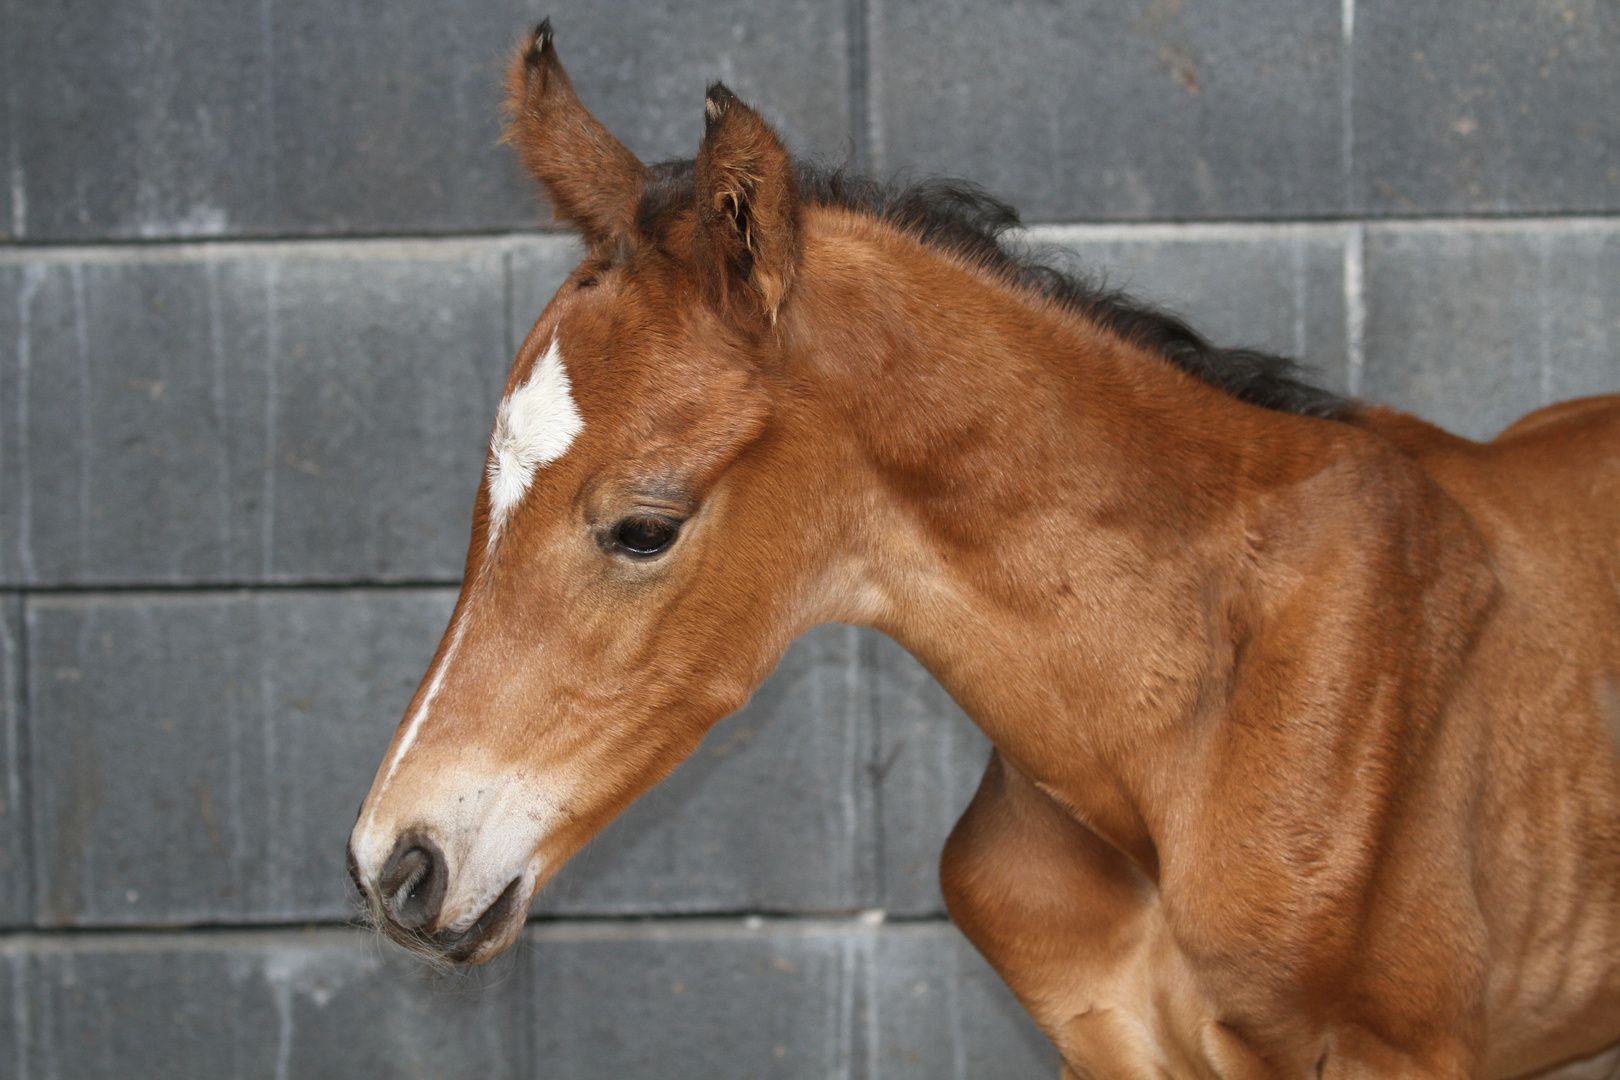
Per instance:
x=15, y=864
x=277, y=1004
x=189, y=119
x=217, y=414
x=263, y=269
x=775, y=999
x=1473, y=327
x=573, y=1001
x=1481, y=107
x=196, y=756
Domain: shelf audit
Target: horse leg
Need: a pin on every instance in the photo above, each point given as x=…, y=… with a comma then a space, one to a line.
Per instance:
x=1077, y=931
x=1074, y=928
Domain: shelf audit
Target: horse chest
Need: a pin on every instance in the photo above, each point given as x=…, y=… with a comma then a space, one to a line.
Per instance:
x=1084, y=941
x=1147, y=1016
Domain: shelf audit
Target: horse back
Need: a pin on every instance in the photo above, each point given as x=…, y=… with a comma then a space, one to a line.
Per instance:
x=1545, y=493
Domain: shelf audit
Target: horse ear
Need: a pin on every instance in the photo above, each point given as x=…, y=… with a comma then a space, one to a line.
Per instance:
x=748, y=206
x=591, y=179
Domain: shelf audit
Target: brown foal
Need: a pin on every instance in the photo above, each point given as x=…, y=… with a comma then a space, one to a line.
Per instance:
x=1306, y=713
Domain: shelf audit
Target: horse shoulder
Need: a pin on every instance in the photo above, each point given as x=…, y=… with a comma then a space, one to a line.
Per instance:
x=1077, y=930
x=1539, y=708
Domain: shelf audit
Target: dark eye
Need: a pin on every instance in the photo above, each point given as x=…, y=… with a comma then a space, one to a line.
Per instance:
x=644, y=535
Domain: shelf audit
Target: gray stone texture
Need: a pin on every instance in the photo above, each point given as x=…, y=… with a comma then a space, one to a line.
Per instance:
x=942, y=1011
x=642, y=68
x=278, y=413
x=774, y=999
x=1472, y=326
x=176, y=118
x=928, y=764
x=198, y=757
x=323, y=1003
x=762, y=998
x=536, y=268
x=1103, y=110
x=15, y=1043
x=691, y=1001
x=16, y=896
x=1473, y=106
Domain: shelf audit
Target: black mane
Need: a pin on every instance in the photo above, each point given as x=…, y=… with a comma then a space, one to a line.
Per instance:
x=959, y=217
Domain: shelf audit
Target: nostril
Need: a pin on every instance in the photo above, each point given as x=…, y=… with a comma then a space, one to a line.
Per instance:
x=413, y=881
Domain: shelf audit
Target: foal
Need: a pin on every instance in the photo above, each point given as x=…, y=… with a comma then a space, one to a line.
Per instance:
x=1305, y=713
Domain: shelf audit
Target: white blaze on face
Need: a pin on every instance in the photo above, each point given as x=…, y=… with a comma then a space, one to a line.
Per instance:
x=534, y=426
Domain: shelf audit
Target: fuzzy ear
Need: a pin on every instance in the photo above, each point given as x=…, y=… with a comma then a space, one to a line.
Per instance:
x=747, y=207
x=591, y=179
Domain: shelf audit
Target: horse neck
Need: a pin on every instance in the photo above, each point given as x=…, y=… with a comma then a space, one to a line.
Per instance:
x=1059, y=524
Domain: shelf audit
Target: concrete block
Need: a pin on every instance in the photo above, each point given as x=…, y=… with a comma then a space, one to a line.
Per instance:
x=33, y=334
x=141, y=400
x=198, y=757
x=141, y=120
x=773, y=811
x=797, y=998
x=385, y=394
x=929, y=760
x=1274, y=287
x=536, y=270
x=387, y=117
x=1094, y=110
x=188, y=119
x=15, y=1035
x=174, y=118
x=694, y=1000
x=1472, y=325
x=279, y=413
x=942, y=1011
x=16, y=899
x=11, y=218
x=286, y=1004
x=642, y=69
x=1473, y=106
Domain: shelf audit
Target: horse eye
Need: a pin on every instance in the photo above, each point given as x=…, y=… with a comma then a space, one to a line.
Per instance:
x=644, y=536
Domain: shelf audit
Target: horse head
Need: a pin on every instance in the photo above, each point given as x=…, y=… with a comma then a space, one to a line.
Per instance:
x=643, y=549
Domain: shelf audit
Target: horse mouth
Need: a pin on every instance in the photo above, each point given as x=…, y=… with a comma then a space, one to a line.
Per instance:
x=471, y=945
x=488, y=935
x=406, y=901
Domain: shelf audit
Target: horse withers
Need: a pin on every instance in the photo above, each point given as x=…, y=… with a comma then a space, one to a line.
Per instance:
x=1305, y=712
